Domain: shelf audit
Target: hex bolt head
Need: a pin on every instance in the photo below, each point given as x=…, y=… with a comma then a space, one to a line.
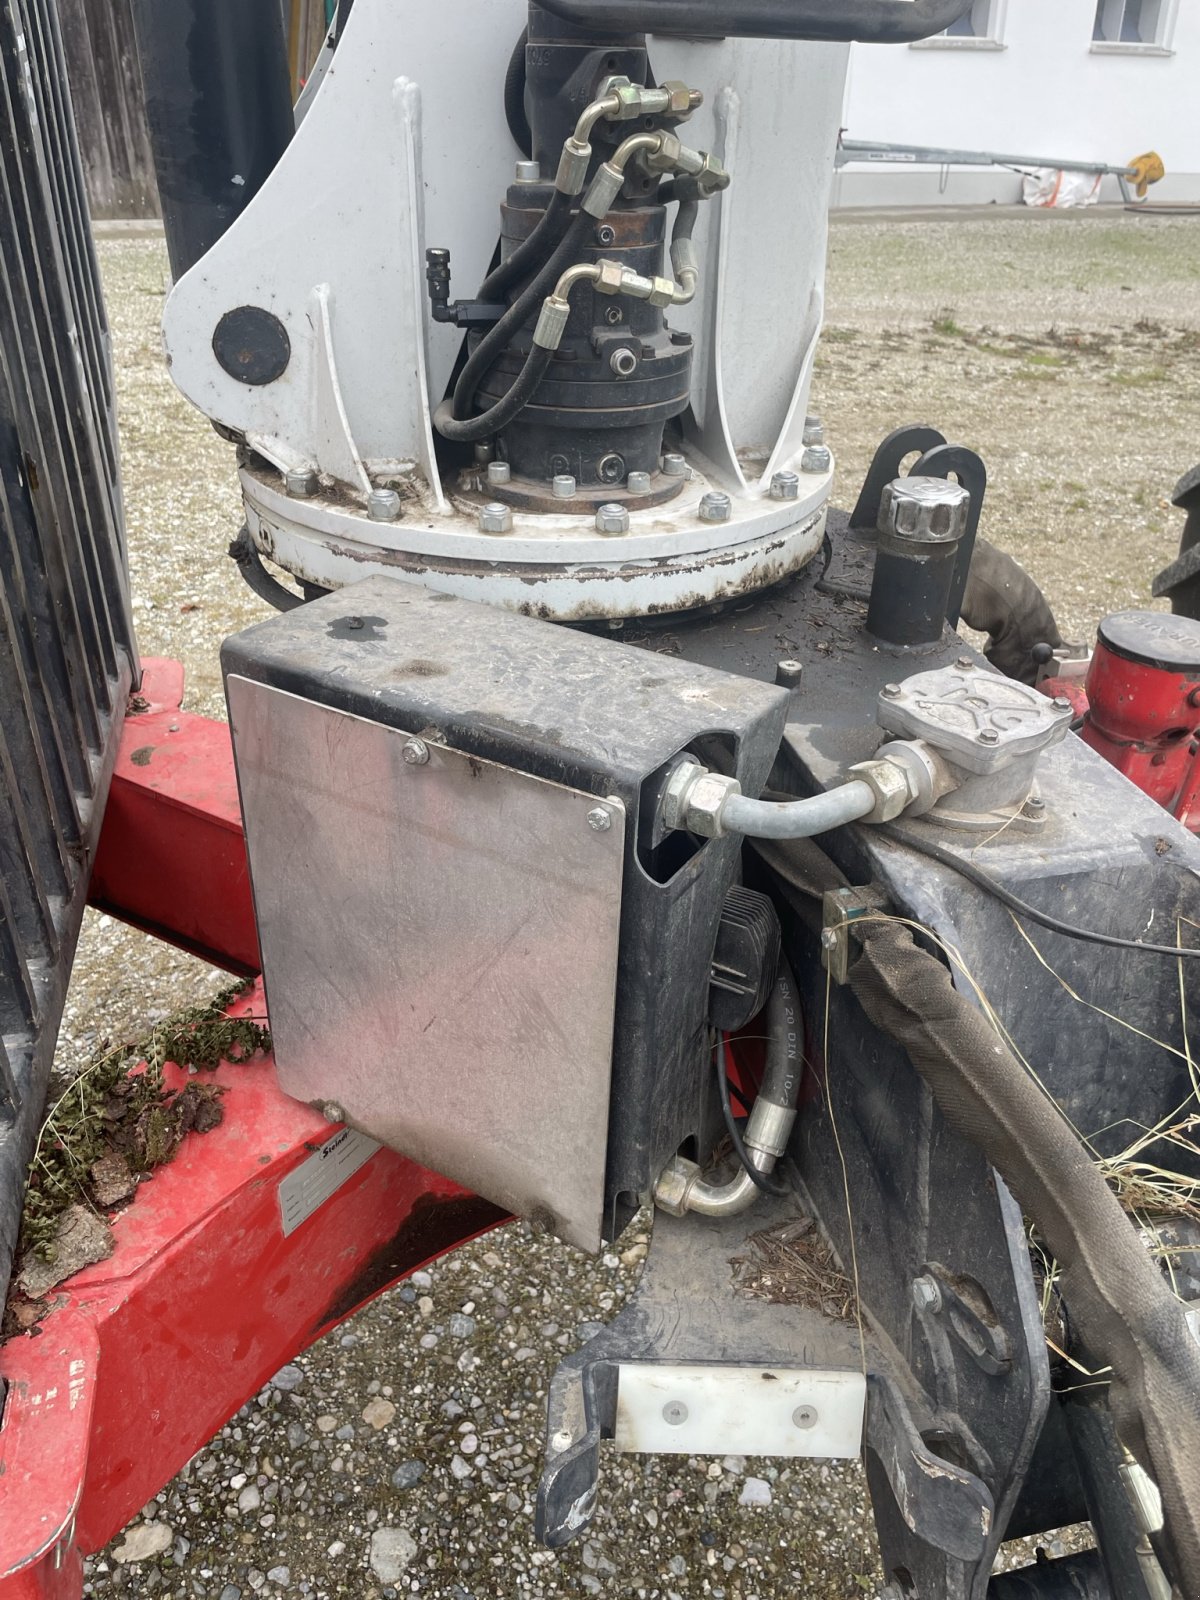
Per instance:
x=612, y=519
x=925, y=510
x=675, y=1413
x=788, y=674
x=383, y=505
x=785, y=486
x=599, y=820
x=415, y=752
x=638, y=483
x=495, y=518
x=926, y=1294
x=890, y=691
x=562, y=485
x=816, y=458
x=499, y=472
x=805, y=1417
x=674, y=466
x=623, y=361
x=814, y=430
x=1035, y=803
x=300, y=482
x=1061, y=703
x=715, y=506
x=528, y=172
x=965, y=662
x=988, y=736
x=829, y=938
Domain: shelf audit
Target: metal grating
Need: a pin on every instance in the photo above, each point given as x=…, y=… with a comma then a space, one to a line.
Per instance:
x=67, y=656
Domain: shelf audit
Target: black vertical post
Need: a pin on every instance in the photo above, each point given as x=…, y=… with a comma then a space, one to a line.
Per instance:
x=219, y=108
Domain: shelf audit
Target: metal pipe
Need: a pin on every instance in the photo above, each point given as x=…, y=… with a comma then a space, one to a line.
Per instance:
x=870, y=21
x=798, y=819
x=935, y=156
x=219, y=108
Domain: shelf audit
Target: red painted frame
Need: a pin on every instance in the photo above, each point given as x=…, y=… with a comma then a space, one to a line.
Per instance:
x=204, y=1296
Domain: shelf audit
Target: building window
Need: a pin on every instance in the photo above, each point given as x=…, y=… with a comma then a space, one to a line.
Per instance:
x=981, y=27
x=1145, y=25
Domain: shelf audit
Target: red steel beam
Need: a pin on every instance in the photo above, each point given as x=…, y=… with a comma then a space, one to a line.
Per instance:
x=171, y=857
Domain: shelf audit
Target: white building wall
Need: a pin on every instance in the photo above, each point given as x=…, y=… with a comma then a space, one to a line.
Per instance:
x=1044, y=90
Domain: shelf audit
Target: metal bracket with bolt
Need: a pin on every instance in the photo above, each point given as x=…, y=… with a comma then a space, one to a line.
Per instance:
x=841, y=910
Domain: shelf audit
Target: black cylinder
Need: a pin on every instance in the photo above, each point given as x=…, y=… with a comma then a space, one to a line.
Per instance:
x=219, y=108
x=921, y=524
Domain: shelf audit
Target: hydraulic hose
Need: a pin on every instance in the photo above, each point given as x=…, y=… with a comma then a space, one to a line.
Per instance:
x=681, y=1187
x=510, y=404
x=493, y=344
x=531, y=252
x=514, y=98
x=866, y=21
x=1003, y=601
x=798, y=819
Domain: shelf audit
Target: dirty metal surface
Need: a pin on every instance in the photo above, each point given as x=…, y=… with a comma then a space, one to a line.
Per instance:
x=459, y=921
x=87, y=1435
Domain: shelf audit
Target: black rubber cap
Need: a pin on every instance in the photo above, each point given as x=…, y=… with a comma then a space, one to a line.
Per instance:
x=1154, y=639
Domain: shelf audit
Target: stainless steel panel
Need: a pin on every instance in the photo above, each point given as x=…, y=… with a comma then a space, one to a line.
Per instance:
x=440, y=949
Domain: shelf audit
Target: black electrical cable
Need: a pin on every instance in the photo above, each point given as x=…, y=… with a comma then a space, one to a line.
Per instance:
x=1006, y=897
x=493, y=344
x=506, y=408
x=742, y=1099
x=514, y=98
x=531, y=252
x=760, y=1180
x=868, y=21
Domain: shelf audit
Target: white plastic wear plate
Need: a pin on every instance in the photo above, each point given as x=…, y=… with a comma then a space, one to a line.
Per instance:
x=757, y=1411
x=308, y=1186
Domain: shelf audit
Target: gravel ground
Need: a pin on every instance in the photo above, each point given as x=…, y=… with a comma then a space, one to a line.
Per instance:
x=400, y=1454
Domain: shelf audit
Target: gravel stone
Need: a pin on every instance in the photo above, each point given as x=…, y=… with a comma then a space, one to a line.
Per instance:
x=280, y=1575
x=407, y=1474
x=288, y=1378
x=144, y=1542
x=755, y=1492
x=392, y=1550
x=250, y=1498
x=378, y=1413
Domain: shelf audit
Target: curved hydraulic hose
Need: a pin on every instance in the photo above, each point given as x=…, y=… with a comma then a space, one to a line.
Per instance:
x=771, y=1117
x=510, y=404
x=531, y=252
x=798, y=819
x=1003, y=601
x=494, y=343
x=514, y=98
x=868, y=21
x=1113, y=1288
x=244, y=551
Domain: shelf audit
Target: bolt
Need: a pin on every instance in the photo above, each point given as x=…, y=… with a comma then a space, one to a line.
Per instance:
x=675, y=466
x=563, y=485
x=484, y=451
x=333, y=1112
x=300, y=482
x=829, y=938
x=817, y=458
x=675, y=1413
x=499, y=472
x=890, y=691
x=805, y=1416
x=599, y=820
x=611, y=468
x=814, y=430
x=715, y=507
x=1035, y=803
x=528, y=172
x=788, y=674
x=383, y=505
x=1061, y=703
x=613, y=315
x=638, y=483
x=355, y=623
x=606, y=235
x=561, y=1441
x=965, y=662
x=415, y=752
x=927, y=1296
x=785, y=486
x=623, y=361
x=612, y=519
x=495, y=518
x=988, y=736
